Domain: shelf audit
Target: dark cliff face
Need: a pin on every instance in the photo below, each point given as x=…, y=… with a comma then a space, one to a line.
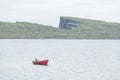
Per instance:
x=67, y=23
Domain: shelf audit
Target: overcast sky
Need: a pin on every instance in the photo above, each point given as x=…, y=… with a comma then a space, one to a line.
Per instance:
x=48, y=11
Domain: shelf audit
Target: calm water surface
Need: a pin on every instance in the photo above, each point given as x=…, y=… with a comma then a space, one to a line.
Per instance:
x=68, y=59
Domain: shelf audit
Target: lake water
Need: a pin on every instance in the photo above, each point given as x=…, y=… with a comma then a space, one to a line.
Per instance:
x=68, y=59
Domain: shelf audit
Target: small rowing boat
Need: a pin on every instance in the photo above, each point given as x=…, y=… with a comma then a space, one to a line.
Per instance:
x=43, y=62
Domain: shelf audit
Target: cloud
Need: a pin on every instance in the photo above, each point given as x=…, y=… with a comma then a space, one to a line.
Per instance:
x=48, y=11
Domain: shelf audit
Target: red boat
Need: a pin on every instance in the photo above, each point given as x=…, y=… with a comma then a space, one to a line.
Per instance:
x=43, y=62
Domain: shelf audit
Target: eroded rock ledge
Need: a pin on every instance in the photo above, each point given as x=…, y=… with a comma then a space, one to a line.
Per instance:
x=68, y=23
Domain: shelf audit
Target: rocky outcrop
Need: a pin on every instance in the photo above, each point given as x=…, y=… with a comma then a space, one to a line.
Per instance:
x=68, y=23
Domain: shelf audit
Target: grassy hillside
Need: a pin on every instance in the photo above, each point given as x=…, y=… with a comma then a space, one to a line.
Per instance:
x=25, y=30
x=88, y=29
x=92, y=29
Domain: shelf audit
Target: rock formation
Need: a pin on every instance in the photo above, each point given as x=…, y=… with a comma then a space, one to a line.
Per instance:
x=68, y=23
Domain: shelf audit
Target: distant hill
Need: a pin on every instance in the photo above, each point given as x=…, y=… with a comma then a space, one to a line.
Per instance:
x=25, y=30
x=69, y=28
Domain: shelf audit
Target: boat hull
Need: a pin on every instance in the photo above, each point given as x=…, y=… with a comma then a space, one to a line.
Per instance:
x=43, y=62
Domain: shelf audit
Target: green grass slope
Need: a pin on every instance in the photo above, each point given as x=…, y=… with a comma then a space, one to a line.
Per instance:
x=21, y=30
x=89, y=29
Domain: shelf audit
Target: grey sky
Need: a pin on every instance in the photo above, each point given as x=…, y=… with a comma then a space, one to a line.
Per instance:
x=48, y=11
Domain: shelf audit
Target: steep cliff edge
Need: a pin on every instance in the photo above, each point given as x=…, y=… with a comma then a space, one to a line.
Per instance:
x=71, y=22
x=68, y=23
x=90, y=29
